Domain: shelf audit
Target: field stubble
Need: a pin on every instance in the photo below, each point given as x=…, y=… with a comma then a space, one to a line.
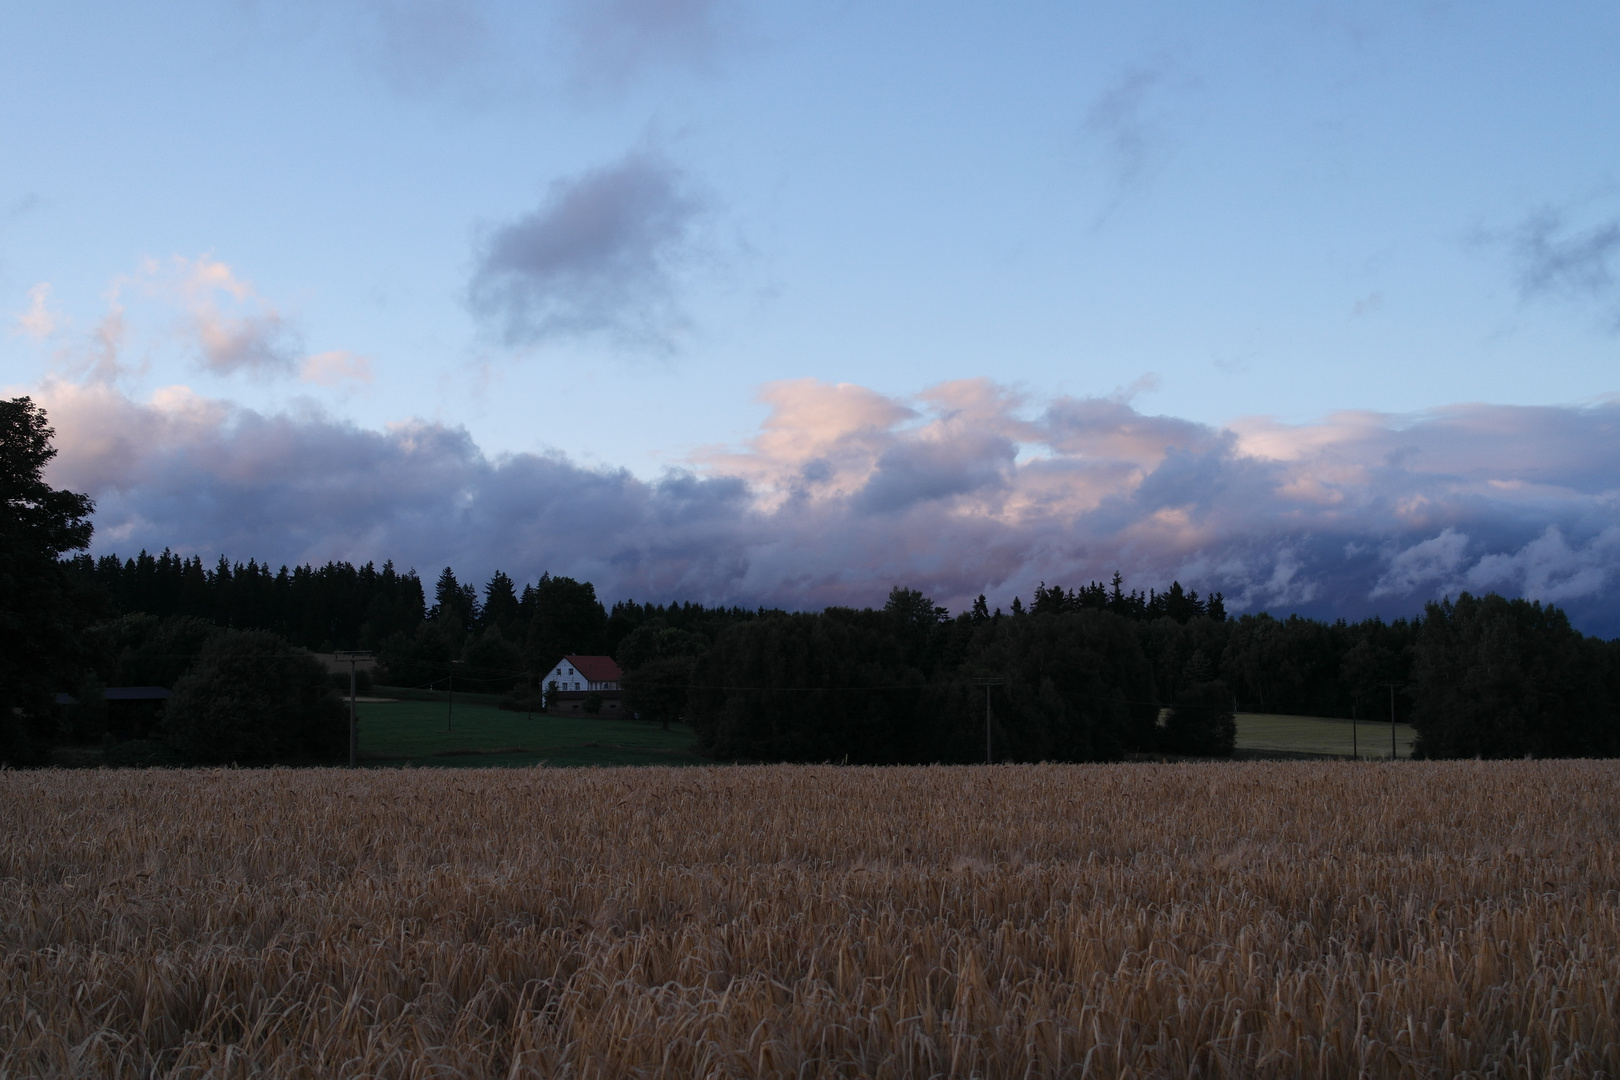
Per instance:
x=1258, y=919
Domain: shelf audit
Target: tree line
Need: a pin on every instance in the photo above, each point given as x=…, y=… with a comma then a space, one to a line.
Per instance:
x=1071, y=679
x=496, y=636
x=1088, y=673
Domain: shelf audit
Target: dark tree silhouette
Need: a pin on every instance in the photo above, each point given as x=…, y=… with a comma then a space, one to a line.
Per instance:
x=44, y=608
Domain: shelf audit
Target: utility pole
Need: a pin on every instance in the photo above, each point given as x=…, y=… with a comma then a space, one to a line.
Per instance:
x=1355, y=751
x=989, y=750
x=354, y=724
x=1392, y=750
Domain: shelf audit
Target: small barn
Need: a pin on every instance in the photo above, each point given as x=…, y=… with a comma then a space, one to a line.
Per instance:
x=582, y=685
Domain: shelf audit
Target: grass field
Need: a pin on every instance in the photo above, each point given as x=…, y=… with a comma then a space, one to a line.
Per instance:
x=1270, y=733
x=415, y=733
x=1260, y=919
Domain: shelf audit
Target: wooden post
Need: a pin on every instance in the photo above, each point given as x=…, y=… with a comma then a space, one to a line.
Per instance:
x=354, y=729
x=1392, y=751
x=353, y=657
x=989, y=753
x=989, y=748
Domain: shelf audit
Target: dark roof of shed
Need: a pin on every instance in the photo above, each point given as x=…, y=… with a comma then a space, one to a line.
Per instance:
x=122, y=693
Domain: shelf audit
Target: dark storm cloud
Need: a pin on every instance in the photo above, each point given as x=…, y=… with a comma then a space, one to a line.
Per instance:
x=956, y=492
x=598, y=256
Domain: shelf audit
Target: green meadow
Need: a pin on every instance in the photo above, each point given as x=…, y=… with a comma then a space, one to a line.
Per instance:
x=1262, y=734
x=476, y=733
x=431, y=733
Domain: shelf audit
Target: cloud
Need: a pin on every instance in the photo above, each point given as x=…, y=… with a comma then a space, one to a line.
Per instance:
x=1550, y=568
x=204, y=474
x=1554, y=258
x=21, y=206
x=598, y=256
x=615, y=39
x=332, y=368
x=1436, y=560
x=1131, y=120
x=1118, y=118
x=960, y=489
x=425, y=43
x=489, y=55
x=199, y=307
x=233, y=327
x=39, y=321
x=96, y=356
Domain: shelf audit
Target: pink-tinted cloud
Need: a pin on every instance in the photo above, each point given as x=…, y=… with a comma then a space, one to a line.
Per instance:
x=233, y=327
x=200, y=308
x=334, y=367
x=843, y=492
x=39, y=321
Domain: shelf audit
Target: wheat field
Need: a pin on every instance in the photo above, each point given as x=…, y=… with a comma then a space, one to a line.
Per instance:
x=1260, y=919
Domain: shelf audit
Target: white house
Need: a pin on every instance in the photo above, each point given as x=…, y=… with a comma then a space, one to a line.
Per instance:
x=573, y=677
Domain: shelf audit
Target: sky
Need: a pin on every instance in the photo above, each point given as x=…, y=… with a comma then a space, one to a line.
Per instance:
x=777, y=303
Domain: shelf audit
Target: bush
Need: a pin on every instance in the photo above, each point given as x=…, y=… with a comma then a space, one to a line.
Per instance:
x=140, y=753
x=85, y=721
x=1201, y=722
x=16, y=741
x=523, y=698
x=253, y=697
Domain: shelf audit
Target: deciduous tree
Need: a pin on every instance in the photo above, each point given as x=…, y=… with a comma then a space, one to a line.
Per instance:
x=253, y=697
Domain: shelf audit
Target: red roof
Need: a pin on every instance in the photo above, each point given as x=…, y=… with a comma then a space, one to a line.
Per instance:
x=595, y=668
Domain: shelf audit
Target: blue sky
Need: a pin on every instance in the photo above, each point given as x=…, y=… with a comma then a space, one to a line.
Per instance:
x=682, y=246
